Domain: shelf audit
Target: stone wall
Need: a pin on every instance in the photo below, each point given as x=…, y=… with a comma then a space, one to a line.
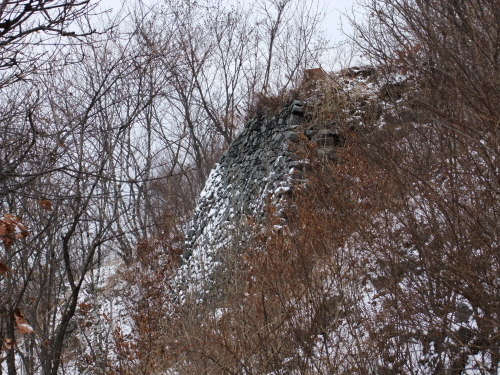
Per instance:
x=258, y=168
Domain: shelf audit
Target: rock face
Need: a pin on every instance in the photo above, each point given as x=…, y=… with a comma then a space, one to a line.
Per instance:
x=258, y=166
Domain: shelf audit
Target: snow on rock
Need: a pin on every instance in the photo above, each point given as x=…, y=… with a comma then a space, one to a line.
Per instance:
x=255, y=170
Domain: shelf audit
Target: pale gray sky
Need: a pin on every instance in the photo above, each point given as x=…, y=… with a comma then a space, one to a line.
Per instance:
x=332, y=26
x=332, y=20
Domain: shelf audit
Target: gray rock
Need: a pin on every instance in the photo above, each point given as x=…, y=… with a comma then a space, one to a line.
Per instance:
x=292, y=136
x=256, y=166
x=298, y=108
x=463, y=313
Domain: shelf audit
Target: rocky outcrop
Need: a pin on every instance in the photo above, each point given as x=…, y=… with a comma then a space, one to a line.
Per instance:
x=256, y=166
x=257, y=171
x=259, y=167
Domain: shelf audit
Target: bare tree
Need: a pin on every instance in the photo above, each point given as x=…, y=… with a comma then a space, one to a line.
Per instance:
x=29, y=28
x=66, y=155
x=106, y=139
x=438, y=150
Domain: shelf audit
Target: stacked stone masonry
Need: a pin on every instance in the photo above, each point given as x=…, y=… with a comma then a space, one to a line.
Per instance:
x=259, y=167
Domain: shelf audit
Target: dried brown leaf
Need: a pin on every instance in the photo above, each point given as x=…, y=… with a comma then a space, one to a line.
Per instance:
x=25, y=328
x=3, y=269
x=7, y=343
x=45, y=204
x=21, y=323
x=11, y=227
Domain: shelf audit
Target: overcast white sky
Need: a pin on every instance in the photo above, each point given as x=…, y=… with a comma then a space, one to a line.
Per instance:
x=332, y=26
x=332, y=20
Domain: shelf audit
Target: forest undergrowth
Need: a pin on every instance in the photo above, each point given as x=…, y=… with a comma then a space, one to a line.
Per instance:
x=384, y=259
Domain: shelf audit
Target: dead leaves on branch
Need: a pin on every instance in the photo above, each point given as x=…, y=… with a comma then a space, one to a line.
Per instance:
x=7, y=343
x=45, y=204
x=21, y=323
x=3, y=269
x=11, y=228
